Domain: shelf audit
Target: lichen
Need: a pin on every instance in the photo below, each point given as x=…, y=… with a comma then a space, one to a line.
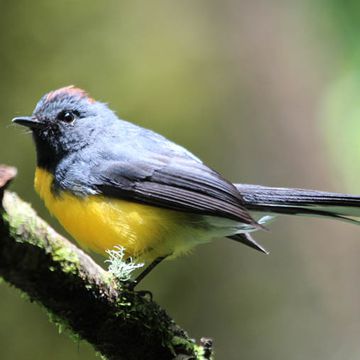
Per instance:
x=118, y=266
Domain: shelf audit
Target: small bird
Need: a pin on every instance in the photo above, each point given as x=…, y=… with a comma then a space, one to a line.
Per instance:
x=112, y=183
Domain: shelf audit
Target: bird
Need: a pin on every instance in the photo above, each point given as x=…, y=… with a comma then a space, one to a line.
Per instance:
x=112, y=183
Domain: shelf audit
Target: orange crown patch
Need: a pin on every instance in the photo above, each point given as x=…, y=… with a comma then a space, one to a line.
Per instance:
x=69, y=90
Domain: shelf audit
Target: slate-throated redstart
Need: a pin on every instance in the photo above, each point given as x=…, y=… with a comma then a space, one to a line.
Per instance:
x=110, y=183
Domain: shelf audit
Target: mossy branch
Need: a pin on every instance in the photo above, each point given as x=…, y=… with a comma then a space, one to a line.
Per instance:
x=79, y=294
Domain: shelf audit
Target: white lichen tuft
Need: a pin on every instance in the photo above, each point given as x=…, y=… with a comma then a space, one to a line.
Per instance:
x=118, y=266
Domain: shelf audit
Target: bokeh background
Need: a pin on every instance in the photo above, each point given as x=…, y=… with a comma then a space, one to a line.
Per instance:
x=263, y=91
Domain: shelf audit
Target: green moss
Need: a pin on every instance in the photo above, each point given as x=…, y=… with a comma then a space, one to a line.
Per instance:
x=101, y=356
x=177, y=341
x=62, y=325
x=21, y=220
x=24, y=296
x=67, y=258
x=199, y=352
x=190, y=346
x=21, y=229
x=125, y=308
x=24, y=226
x=110, y=280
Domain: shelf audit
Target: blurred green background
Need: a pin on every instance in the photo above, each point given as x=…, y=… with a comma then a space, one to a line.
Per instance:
x=263, y=91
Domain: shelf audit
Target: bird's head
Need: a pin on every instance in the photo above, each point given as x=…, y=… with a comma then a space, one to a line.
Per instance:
x=64, y=121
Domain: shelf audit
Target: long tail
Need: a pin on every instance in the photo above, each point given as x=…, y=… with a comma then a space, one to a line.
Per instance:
x=301, y=202
x=271, y=200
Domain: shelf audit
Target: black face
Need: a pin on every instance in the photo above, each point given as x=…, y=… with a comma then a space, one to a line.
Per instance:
x=63, y=122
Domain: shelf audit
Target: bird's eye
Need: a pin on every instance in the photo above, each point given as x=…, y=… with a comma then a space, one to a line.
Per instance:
x=66, y=116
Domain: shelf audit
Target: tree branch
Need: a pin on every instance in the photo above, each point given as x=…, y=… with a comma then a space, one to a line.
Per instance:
x=79, y=294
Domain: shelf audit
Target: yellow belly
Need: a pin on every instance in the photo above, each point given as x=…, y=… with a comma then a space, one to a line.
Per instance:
x=100, y=223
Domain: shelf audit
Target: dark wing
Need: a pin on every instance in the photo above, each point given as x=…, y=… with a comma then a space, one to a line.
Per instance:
x=178, y=183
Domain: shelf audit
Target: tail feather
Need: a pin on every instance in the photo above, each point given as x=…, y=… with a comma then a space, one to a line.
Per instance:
x=300, y=202
x=248, y=240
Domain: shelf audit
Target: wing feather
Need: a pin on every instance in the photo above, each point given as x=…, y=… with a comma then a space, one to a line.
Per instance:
x=182, y=184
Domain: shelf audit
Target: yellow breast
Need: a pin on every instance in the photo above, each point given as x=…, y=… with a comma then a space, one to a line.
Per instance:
x=100, y=223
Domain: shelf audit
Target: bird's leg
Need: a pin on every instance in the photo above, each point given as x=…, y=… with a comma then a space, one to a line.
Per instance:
x=146, y=271
x=132, y=284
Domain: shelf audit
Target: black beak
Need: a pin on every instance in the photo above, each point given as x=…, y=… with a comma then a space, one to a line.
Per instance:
x=28, y=121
